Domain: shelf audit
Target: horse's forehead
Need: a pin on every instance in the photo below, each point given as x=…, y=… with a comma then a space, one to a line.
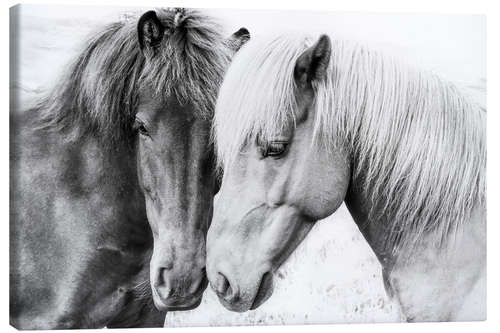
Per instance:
x=160, y=106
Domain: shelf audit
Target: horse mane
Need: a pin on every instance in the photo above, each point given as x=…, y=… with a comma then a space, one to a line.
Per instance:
x=98, y=95
x=417, y=141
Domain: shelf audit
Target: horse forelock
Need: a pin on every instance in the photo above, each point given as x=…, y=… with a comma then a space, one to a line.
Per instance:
x=257, y=96
x=418, y=141
x=191, y=61
x=98, y=95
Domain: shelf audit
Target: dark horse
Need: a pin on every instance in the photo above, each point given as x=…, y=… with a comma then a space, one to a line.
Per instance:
x=123, y=140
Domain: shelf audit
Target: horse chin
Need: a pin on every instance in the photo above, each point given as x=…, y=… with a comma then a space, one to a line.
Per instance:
x=235, y=307
x=192, y=304
x=183, y=305
x=159, y=304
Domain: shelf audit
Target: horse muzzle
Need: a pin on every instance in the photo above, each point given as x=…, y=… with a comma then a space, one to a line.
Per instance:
x=242, y=296
x=174, y=294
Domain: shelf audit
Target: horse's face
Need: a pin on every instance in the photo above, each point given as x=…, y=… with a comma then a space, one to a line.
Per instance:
x=177, y=176
x=271, y=197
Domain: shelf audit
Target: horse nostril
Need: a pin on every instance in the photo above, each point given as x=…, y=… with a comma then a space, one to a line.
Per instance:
x=222, y=286
x=162, y=285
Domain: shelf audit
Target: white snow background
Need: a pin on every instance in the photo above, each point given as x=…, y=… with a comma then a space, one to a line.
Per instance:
x=333, y=277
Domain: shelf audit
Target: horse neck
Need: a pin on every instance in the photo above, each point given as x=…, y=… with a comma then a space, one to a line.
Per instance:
x=110, y=174
x=88, y=168
x=106, y=168
x=375, y=224
x=394, y=161
x=360, y=206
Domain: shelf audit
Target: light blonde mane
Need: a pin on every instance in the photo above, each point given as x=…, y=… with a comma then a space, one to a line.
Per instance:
x=418, y=141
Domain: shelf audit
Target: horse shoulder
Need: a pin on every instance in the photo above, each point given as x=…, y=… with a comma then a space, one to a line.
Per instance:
x=440, y=284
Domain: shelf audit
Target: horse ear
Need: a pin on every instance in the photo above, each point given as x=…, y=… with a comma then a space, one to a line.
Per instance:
x=238, y=39
x=150, y=30
x=313, y=63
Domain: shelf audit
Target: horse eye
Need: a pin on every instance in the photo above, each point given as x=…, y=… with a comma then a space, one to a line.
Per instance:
x=275, y=148
x=143, y=130
x=141, y=127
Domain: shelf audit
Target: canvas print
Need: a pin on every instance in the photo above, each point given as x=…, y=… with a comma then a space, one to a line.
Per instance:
x=218, y=167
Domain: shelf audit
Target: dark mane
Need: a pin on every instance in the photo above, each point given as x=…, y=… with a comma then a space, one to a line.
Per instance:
x=98, y=95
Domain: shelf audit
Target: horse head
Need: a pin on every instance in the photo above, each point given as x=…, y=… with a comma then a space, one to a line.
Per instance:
x=185, y=59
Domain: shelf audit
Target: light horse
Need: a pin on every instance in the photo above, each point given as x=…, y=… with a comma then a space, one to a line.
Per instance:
x=112, y=177
x=301, y=127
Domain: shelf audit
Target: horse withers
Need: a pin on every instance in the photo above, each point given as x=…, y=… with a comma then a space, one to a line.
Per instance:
x=123, y=140
x=302, y=125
